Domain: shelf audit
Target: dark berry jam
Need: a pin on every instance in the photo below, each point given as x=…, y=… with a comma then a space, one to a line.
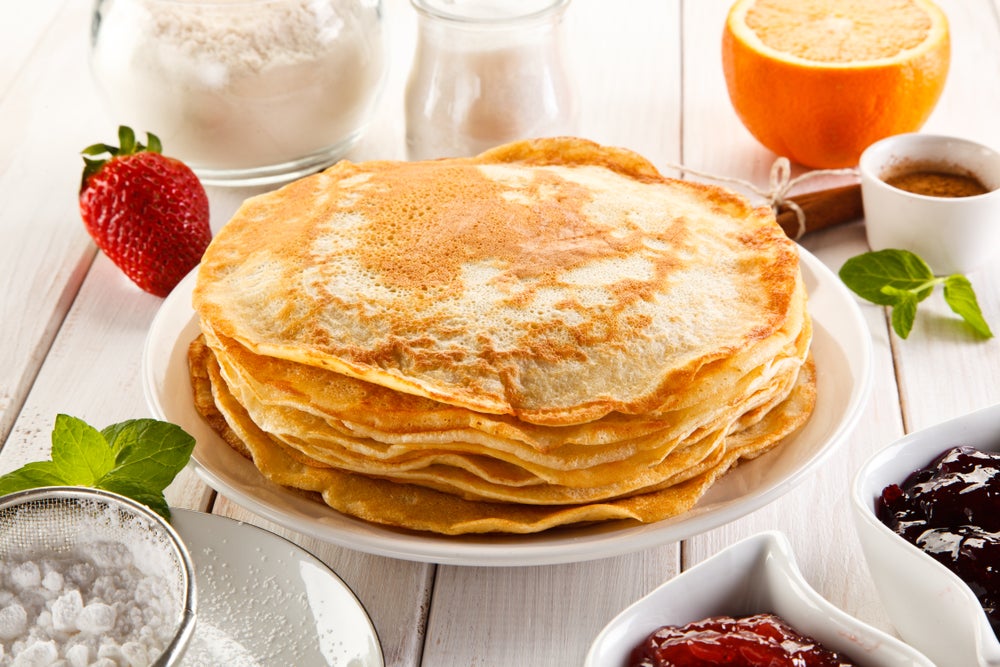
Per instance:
x=762, y=640
x=951, y=510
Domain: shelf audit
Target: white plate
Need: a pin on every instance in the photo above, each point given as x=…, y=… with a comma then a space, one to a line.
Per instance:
x=754, y=576
x=930, y=606
x=842, y=348
x=264, y=601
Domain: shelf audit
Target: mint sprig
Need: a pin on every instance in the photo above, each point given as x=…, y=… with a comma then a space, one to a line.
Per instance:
x=900, y=279
x=137, y=458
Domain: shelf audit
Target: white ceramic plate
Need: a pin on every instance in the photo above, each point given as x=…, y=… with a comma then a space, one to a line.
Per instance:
x=929, y=605
x=756, y=575
x=264, y=601
x=842, y=348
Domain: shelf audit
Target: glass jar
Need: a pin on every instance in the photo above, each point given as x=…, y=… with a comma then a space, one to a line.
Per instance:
x=245, y=91
x=485, y=73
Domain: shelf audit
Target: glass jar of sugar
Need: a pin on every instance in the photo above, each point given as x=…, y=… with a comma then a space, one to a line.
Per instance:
x=245, y=91
x=485, y=73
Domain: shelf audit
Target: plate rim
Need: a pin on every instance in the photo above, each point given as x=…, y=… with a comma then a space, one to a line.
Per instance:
x=516, y=550
x=207, y=518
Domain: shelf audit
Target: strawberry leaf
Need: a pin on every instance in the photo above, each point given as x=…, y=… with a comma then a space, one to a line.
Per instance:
x=126, y=140
x=153, y=143
x=129, y=146
x=100, y=149
x=90, y=167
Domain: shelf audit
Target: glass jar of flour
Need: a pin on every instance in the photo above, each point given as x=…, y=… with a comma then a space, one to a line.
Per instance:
x=245, y=91
x=486, y=72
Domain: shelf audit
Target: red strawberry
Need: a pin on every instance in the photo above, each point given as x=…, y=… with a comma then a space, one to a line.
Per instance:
x=146, y=211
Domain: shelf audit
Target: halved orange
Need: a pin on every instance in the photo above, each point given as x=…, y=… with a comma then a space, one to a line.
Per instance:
x=817, y=81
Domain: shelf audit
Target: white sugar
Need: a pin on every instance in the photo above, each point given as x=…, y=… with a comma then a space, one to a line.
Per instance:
x=90, y=607
x=37, y=654
x=65, y=610
x=25, y=576
x=13, y=621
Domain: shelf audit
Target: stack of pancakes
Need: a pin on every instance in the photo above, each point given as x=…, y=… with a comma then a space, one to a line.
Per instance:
x=546, y=334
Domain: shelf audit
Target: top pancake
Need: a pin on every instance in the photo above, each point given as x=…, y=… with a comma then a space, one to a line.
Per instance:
x=554, y=280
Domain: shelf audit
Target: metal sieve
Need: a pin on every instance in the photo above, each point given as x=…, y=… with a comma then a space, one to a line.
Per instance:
x=57, y=520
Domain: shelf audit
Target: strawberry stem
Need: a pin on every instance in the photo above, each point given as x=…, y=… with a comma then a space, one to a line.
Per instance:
x=129, y=146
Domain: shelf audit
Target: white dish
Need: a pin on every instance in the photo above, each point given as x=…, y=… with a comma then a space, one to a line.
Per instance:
x=951, y=234
x=929, y=605
x=264, y=601
x=756, y=575
x=842, y=349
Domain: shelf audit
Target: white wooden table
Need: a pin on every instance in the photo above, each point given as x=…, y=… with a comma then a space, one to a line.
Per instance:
x=72, y=327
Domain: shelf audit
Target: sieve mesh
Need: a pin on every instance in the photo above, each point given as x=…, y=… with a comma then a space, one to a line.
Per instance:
x=59, y=520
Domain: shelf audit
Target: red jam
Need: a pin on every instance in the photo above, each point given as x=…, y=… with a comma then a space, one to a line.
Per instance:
x=763, y=640
x=951, y=510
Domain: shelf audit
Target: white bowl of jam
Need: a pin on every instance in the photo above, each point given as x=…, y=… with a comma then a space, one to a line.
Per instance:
x=940, y=489
x=756, y=576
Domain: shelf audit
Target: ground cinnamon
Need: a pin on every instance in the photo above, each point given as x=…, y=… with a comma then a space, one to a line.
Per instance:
x=938, y=184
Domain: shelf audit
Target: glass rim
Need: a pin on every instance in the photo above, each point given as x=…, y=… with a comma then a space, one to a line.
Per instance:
x=435, y=9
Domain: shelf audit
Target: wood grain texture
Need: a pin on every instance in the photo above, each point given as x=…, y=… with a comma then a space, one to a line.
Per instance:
x=944, y=369
x=21, y=30
x=44, y=250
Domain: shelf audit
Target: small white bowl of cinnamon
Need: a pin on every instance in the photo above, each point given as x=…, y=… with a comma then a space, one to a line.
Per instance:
x=936, y=196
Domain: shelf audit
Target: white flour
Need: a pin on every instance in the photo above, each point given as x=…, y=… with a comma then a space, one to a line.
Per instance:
x=90, y=607
x=238, y=85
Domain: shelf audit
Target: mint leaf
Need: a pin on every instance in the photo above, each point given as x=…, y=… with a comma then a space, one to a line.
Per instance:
x=961, y=298
x=150, y=450
x=79, y=452
x=136, y=458
x=30, y=476
x=904, y=310
x=901, y=279
x=138, y=492
x=868, y=273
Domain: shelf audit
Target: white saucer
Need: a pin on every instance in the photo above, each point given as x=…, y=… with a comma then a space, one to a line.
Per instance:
x=264, y=601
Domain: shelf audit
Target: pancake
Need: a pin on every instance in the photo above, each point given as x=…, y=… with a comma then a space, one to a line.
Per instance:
x=548, y=333
x=482, y=464
x=423, y=508
x=554, y=280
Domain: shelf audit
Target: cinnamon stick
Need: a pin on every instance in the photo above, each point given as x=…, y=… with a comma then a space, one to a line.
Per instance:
x=822, y=209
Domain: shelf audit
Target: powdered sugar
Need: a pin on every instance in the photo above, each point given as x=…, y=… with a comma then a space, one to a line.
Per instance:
x=91, y=606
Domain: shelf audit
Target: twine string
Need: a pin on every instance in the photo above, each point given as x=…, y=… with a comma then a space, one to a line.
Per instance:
x=780, y=183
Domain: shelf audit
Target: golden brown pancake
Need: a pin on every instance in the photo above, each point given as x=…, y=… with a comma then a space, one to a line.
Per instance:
x=424, y=508
x=548, y=333
x=556, y=281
